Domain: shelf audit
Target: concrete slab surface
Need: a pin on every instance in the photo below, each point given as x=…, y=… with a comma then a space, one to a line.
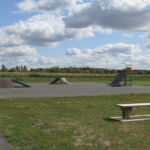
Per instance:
x=3, y=143
x=132, y=118
x=74, y=89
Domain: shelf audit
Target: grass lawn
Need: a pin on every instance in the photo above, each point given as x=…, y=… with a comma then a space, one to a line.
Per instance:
x=75, y=123
x=145, y=82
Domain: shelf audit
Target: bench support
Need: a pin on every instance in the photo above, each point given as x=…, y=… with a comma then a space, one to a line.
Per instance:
x=125, y=112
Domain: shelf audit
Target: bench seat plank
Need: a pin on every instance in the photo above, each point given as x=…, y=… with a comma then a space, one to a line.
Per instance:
x=133, y=105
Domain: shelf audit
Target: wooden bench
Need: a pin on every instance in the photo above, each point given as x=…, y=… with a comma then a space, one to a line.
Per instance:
x=126, y=108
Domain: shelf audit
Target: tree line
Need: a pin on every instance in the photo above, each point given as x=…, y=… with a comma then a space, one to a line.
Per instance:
x=68, y=70
x=14, y=69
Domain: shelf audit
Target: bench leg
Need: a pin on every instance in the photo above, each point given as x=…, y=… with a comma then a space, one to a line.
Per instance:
x=125, y=112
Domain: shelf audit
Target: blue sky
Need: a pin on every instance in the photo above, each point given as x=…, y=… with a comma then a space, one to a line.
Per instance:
x=64, y=33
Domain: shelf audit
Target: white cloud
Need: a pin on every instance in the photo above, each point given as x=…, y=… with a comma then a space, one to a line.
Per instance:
x=26, y=5
x=41, y=30
x=147, y=45
x=8, y=40
x=18, y=55
x=109, y=49
x=109, y=56
x=17, y=51
x=46, y=5
x=124, y=15
x=17, y=41
x=73, y=51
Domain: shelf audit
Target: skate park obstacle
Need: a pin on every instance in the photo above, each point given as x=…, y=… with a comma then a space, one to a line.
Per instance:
x=9, y=83
x=124, y=76
x=60, y=80
x=23, y=84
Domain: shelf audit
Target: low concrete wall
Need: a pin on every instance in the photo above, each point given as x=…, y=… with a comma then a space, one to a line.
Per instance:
x=6, y=83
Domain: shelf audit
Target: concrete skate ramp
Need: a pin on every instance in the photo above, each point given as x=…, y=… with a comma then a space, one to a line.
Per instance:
x=19, y=84
x=118, y=79
x=60, y=81
x=75, y=89
x=9, y=83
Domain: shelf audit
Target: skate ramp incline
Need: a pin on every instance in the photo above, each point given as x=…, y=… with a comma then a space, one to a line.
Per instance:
x=118, y=79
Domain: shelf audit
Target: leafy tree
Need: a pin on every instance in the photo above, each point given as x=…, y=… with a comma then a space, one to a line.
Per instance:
x=18, y=69
x=25, y=69
x=4, y=69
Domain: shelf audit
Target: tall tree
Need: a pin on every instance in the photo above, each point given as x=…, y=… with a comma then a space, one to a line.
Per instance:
x=4, y=69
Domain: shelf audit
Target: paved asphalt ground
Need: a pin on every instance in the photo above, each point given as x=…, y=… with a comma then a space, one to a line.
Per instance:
x=74, y=89
x=3, y=143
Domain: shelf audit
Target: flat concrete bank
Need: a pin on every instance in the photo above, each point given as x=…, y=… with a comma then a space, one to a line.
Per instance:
x=74, y=89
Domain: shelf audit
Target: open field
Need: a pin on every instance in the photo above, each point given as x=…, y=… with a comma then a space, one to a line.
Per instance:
x=73, y=123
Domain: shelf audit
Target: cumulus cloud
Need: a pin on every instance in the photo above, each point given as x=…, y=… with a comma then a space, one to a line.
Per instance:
x=108, y=56
x=17, y=51
x=8, y=40
x=18, y=41
x=41, y=30
x=125, y=15
x=147, y=45
x=18, y=55
x=109, y=49
x=46, y=5
x=73, y=51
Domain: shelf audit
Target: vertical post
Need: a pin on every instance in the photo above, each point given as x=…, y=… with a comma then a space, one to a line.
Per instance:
x=125, y=112
x=130, y=80
x=128, y=72
x=125, y=80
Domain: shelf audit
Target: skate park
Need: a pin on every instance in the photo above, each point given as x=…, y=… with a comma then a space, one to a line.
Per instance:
x=60, y=87
x=74, y=89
